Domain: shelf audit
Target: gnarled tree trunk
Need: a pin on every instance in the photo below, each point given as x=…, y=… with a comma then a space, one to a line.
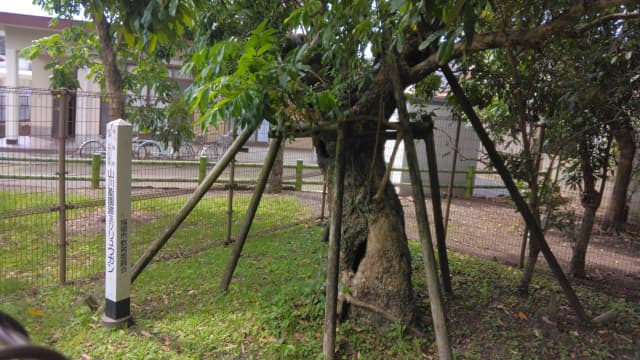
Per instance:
x=375, y=262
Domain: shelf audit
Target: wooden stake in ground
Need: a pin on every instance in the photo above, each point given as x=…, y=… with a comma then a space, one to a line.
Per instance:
x=331, y=300
x=435, y=297
x=452, y=179
x=251, y=211
x=536, y=232
x=436, y=203
x=186, y=209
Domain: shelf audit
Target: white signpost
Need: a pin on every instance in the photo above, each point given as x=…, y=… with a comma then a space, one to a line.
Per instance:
x=118, y=215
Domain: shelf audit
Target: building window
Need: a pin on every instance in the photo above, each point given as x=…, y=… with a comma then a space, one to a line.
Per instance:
x=24, y=104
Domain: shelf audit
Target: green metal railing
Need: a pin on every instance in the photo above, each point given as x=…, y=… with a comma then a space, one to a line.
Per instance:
x=96, y=163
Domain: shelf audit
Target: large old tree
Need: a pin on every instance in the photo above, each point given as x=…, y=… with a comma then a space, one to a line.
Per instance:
x=336, y=72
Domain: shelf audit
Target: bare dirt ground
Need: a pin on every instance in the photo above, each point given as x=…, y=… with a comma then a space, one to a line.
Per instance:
x=492, y=228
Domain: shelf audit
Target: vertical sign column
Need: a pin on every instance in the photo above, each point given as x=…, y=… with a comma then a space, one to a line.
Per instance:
x=13, y=104
x=118, y=214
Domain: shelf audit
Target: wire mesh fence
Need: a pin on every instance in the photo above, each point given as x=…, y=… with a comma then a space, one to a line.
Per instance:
x=48, y=236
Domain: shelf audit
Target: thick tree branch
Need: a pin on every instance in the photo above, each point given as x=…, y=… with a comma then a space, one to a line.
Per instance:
x=532, y=37
x=601, y=20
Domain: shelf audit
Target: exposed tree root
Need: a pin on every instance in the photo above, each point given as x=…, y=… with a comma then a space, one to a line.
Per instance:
x=342, y=297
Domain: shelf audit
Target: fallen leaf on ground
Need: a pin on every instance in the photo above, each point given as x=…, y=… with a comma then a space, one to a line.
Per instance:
x=35, y=312
x=522, y=315
x=546, y=319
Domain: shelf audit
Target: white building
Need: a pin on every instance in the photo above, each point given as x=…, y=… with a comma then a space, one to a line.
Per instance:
x=444, y=137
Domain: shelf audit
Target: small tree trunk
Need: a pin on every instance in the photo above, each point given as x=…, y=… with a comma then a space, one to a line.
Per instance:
x=578, y=258
x=112, y=75
x=615, y=216
x=274, y=184
x=534, y=206
x=591, y=200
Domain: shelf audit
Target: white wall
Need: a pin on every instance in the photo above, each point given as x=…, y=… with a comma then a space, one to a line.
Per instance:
x=444, y=138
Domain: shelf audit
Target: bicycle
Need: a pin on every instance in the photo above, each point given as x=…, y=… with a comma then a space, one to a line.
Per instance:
x=152, y=149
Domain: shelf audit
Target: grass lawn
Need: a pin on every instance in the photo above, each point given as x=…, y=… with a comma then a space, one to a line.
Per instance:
x=29, y=255
x=274, y=309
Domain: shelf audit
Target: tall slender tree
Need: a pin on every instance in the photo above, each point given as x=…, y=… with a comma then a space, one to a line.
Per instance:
x=121, y=26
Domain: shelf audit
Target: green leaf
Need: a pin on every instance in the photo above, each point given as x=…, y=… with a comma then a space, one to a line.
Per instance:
x=469, y=24
x=431, y=38
x=446, y=49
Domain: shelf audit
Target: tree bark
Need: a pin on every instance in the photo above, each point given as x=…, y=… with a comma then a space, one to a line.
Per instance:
x=274, y=184
x=112, y=74
x=534, y=206
x=579, y=255
x=375, y=262
x=591, y=199
x=615, y=216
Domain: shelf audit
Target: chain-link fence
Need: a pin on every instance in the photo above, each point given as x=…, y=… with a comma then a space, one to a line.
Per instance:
x=52, y=196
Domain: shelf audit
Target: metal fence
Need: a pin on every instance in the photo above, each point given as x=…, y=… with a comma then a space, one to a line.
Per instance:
x=52, y=202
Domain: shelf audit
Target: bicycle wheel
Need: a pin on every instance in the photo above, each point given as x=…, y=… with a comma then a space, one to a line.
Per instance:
x=136, y=152
x=186, y=152
x=149, y=150
x=88, y=148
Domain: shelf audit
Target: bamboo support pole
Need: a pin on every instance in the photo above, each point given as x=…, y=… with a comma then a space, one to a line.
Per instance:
x=191, y=203
x=232, y=185
x=251, y=212
x=436, y=203
x=497, y=161
x=335, y=233
x=433, y=286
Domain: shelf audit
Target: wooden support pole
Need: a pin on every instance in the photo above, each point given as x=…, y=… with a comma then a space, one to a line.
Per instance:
x=186, y=209
x=251, y=212
x=433, y=286
x=333, y=265
x=497, y=161
x=324, y=197
x=454, y=167
x=387, y=173
x=436, y=203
